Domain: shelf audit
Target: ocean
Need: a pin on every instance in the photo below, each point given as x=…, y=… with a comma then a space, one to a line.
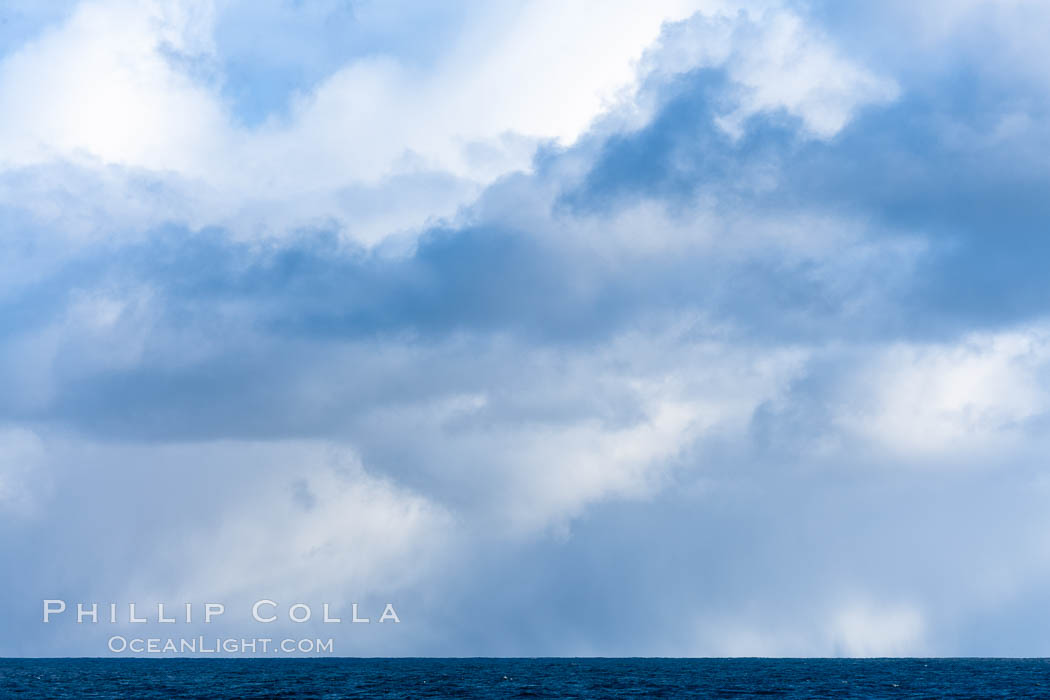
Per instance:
x=524, y=678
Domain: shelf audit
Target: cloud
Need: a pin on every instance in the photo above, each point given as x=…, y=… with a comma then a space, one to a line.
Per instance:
x=855, y=630
x=139, y=86
x=111, y=93
x=23, y=479
x=776, y=62
x=879, y=631
x=598, y=333
x=307, y=522
x=976, y=396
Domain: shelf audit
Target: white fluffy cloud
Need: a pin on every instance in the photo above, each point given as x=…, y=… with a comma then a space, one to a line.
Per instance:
x=121, y=91
x=116, y=95
x=311, y=523
x=975, y=396
x=777, y=62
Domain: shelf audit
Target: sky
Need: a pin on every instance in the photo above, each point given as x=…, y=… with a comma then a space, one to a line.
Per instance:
x=677, y=328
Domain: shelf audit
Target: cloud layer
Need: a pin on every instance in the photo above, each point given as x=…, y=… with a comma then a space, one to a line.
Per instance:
x=712, y=329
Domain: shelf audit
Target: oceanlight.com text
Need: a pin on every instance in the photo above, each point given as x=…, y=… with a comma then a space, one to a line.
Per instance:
x=218, y=645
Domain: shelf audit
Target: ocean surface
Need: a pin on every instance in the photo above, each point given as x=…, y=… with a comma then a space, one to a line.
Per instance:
x=524, y=678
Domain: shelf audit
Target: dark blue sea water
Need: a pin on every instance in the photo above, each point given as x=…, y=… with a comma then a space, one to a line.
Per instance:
x=524, y=678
